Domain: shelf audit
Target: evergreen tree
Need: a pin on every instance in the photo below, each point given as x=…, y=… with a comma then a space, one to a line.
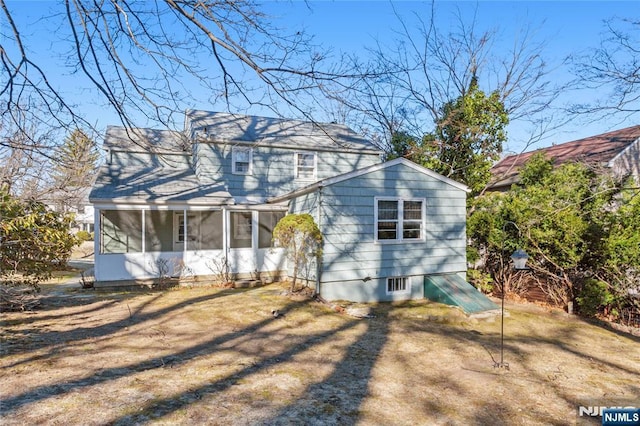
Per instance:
x=468, y=138
x=34, y=241
x=74, y=171
x=579, y=227
x=76, y=161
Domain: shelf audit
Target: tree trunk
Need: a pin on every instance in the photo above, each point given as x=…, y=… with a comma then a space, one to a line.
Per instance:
x=295, y=276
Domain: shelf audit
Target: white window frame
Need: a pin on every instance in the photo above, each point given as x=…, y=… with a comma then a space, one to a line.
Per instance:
x=188, y=230
x=296, y=165
x=244, y=230
x=404, y=281
x=400, y=220
x=234, y=160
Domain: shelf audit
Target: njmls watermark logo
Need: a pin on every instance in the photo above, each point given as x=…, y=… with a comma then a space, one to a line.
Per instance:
x=609, y=415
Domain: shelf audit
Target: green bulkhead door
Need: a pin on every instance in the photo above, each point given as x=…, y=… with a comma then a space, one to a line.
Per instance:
x=451, y=289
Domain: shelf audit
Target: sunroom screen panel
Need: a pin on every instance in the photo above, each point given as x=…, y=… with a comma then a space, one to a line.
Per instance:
x=120, y=231
x=158, y=228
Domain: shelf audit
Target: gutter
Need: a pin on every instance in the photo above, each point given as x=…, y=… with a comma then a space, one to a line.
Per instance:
x=297, y=193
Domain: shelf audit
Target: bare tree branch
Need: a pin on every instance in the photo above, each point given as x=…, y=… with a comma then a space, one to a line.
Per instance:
x=426, y=68
x=148, y=61
x=614, y=67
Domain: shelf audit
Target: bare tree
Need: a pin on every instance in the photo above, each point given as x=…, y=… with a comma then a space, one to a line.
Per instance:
x=612, y=67
x=426, y=68
x=25, y=165
x=143, y=58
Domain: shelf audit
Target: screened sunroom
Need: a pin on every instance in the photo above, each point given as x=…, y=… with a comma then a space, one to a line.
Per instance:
x=132, y=242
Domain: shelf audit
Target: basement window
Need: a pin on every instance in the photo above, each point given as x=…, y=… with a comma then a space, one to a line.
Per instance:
x=396, y=285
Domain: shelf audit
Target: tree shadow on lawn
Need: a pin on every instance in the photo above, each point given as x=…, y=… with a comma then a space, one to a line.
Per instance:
x=175, y=359
x=560, y=351
x=32, y=317
x=165, y=407
x=39, y=337
x=480, y=345
x=564, y=337
x=338, y=398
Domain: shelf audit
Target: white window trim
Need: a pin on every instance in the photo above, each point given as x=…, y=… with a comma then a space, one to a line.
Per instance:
x=315, y=166
x=400, y=220
x=406, y=290
x=234, y=153
x=189, y=228
x=239, y=229
x=177, y=228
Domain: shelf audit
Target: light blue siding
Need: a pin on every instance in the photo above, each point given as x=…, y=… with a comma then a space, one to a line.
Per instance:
x=355, y=266
x=273, y=168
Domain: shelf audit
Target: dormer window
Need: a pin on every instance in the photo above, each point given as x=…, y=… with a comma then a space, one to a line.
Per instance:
x=241, y=158
x=305, y=165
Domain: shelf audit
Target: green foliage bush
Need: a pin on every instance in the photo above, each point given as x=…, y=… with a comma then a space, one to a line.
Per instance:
x=302, y=239
x=480, y=280
x=83, y=236
x=575, y=224
x=34, y=241
x=594, y=295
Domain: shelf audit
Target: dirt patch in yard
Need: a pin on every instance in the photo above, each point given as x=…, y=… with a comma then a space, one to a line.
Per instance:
x=220, y=356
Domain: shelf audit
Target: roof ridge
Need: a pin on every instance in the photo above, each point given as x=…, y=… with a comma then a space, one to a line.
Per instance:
x=280, y=119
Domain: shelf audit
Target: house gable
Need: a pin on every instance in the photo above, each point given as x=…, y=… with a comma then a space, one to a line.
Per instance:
x=357, y=263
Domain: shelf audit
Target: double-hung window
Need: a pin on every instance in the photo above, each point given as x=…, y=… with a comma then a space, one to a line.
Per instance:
x=399, y=219
x=305, y=165
x=241, y=158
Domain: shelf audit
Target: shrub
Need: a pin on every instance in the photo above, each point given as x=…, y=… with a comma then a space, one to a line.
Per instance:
x=302, y=239
x=34, y=241
x=481, y=280
x=83, y=236
x=594, y=295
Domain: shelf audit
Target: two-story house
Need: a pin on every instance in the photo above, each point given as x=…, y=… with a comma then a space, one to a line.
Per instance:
x=208, y=198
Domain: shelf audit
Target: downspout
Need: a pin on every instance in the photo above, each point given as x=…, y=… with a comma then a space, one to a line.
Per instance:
x=319, y=259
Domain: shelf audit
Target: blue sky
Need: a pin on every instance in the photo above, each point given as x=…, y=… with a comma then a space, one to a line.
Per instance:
x=567, y=27
x=352, y=26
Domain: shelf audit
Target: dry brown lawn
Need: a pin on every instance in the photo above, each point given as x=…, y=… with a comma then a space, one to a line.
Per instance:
x=218, y=356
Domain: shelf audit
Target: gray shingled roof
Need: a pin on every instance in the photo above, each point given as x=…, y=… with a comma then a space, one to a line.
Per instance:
x=145, y=140
x=226, y=128
x=598, y=149
x=157, y=185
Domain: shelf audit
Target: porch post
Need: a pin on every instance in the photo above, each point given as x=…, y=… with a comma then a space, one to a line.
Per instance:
x=184, y=230
x=97, y=238
x=144, y=232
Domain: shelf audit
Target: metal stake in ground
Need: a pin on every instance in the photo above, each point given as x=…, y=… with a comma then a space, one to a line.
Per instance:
x=519, y=258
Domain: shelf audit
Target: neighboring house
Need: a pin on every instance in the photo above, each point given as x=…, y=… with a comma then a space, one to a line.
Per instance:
x=74, y=201
x=199, y=201
x=617, y=151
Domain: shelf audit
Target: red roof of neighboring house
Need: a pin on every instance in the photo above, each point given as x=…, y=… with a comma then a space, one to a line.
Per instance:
x=599, y=149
